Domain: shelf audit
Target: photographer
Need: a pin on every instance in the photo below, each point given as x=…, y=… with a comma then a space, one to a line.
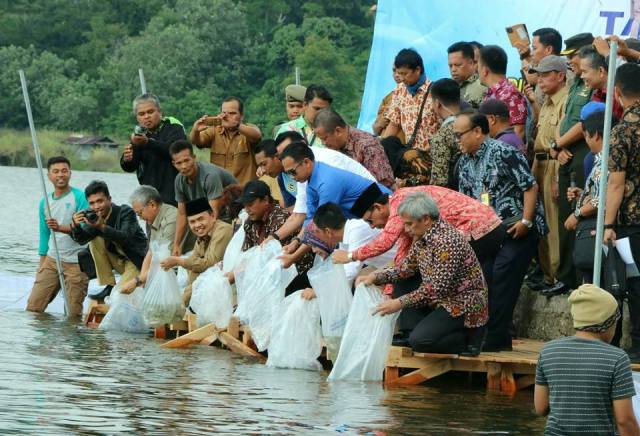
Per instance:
x=231, y=140
x=115, y=238
x=148, y=152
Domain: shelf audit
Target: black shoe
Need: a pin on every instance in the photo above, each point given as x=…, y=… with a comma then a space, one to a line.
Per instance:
x=102, y=294
x=401, y=342
x=557, y=289
x=475, y=342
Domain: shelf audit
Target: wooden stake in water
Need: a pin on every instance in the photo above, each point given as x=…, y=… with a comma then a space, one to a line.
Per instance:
x=36, y=150
x=143, y=85
x=597, y=257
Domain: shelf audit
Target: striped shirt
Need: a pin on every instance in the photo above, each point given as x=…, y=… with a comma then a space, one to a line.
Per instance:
x=584, y=378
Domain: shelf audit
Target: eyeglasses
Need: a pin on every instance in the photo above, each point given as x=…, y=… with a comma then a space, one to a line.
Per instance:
x=139, y=211
x=293, y=171
x=461, y=134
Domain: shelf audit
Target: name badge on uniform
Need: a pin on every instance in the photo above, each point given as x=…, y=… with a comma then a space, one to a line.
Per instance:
x=485, y=198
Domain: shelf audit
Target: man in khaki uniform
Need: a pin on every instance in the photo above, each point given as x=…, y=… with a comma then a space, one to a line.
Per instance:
x=551, y=79
x=231, y=141
x=213, y=237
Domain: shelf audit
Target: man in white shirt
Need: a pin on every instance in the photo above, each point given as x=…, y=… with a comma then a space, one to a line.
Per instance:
x=64, y=201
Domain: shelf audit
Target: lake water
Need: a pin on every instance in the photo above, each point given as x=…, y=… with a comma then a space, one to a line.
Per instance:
x=61, y=378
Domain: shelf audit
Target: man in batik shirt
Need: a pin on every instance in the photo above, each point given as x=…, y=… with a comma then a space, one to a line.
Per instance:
x=499, y=176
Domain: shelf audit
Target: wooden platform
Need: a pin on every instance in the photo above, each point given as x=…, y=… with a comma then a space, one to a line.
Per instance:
x=507, y=371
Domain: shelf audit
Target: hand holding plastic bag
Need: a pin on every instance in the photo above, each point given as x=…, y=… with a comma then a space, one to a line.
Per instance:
x=261, y=281
x=366, y=339
x=162, y=302
x=296, y=339
x=125, y=312
x=333, y=293
x=212, y=298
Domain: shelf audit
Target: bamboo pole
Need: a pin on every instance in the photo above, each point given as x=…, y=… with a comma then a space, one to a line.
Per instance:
x=143, y=84
x=47, y=208
x=597, y=257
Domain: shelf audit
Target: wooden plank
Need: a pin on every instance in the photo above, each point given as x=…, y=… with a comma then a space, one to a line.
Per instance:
x=391, y=374
x=507, y=381
x=192, y=321
x=239, y=347
x=234, y=327
x=191, y=338
x=494, y=373
x=433, y=369
x=179, y=326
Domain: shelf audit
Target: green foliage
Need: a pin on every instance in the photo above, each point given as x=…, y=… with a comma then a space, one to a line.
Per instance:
x=82, y=58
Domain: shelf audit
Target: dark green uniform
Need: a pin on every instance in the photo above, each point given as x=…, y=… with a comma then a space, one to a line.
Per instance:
x=579, y=95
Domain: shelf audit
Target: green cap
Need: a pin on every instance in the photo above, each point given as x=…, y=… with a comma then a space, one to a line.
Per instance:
x=295, y=93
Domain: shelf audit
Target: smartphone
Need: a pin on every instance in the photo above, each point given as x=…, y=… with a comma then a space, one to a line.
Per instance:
x=518, y=33
x=212, y=121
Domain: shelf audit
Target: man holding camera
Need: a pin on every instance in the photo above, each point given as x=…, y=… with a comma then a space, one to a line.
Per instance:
x=63, y=202
x=148, y=153
x=231, y=141
x=116, y=241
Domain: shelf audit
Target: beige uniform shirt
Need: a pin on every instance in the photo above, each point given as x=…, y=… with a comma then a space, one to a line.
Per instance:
x=206, y=253
x=549, y=118
x=163, y=228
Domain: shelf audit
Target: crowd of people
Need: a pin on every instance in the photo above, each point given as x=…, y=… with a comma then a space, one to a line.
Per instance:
x=467, y=186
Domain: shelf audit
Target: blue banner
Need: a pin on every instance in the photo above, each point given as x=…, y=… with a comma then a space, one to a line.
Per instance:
x=430, y=26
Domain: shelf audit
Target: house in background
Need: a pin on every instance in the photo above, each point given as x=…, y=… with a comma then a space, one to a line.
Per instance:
x=87, y=143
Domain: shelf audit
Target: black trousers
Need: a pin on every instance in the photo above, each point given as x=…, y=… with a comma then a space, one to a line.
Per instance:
x=633, y=284
x=566, y=269
x=431, y=331
x=488, y=246
x=301, y=281
x=504, y=275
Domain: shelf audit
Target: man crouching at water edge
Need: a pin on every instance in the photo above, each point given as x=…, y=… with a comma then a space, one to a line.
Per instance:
x=116, y=241
x=64, y=201
x=213, y=237
x=584, y=384
x=453, y=294
x=160, y=217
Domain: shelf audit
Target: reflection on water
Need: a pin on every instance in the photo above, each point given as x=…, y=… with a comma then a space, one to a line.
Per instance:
x=60, y=378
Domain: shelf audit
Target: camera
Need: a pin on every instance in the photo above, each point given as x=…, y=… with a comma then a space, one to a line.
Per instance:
x=140, y=130
x=90, y=215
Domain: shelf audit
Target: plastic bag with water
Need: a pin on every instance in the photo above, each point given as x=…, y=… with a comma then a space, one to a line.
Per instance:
x=125, y=312
x=162, y=302
x=296, y=338
x=260, y=282
x=234, y=248
x=366, y=340
x=212, y=298
x=333, y=293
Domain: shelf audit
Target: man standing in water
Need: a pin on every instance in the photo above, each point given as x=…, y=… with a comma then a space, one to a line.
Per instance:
x=64, y=201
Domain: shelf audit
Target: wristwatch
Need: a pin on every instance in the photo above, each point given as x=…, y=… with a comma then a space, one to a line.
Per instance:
x=138, y=281
x=350, y=256
x=577, y=213
x=526, y=222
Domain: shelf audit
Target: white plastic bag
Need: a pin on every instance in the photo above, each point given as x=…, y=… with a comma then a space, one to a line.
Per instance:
x=296, y=339
x=333, y=292
x=234, y=248
x=261, y=281
x=211, y=298
x=162, y=302
x=125, y=312
x=183, y=273
x=366, y=339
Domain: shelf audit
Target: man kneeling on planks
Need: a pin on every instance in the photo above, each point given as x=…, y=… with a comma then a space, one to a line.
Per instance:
x=213, y=237
x=584, y=384
x=452, y=298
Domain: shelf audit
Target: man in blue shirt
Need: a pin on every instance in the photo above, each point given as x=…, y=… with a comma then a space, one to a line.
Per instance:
x=499, y=176
x=325, y=184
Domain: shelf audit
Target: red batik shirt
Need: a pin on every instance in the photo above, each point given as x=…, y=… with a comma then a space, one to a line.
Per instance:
x=365, y=148
x=467, y=215
x=506, y=92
